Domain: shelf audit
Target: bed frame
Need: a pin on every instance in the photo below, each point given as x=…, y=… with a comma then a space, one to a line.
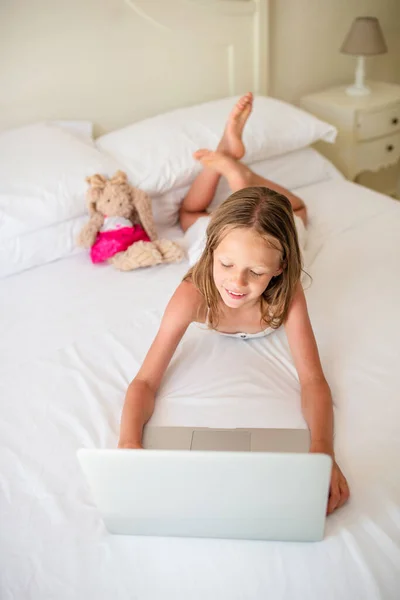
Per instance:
x=118, y=61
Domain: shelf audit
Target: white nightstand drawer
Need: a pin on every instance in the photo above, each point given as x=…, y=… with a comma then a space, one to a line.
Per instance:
x=371, y=124
x=368, y=130
x=371, y=156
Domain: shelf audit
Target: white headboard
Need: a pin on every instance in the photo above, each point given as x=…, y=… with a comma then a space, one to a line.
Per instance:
x=117, y=61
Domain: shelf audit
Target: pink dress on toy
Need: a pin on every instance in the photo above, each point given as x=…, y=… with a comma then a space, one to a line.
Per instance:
x=116, y=235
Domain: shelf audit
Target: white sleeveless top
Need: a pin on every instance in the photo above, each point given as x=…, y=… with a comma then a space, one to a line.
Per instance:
x=244, y=336
x=248, y=336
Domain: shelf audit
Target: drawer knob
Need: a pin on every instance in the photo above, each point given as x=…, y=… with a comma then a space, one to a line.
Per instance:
x=395, y=120
x=389, y=147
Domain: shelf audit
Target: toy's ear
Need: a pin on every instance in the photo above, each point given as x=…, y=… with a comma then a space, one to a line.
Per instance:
x=97, y=184
x=142, y=203
x=119, y=178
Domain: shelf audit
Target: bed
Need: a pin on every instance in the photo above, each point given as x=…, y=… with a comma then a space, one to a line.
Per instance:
x=72, y=336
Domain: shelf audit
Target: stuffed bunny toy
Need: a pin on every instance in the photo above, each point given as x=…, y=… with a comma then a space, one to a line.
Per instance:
x=121, y=228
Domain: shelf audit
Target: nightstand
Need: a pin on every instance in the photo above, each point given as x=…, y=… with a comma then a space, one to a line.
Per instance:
x=368, y=129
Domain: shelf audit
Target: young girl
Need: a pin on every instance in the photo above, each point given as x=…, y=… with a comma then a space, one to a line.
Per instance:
x=246, y=283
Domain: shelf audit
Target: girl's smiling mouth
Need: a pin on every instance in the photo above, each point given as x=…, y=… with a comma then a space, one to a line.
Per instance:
x=234, y=295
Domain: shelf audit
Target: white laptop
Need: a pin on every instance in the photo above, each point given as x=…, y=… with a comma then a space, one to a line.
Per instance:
x=259, y=484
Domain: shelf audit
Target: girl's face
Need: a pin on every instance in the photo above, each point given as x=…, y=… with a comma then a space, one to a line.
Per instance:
x=243, y=266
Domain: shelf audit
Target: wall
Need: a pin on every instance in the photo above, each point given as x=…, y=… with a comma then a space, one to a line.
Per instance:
x=119, y=61
x=306, y=36
x=46, y=43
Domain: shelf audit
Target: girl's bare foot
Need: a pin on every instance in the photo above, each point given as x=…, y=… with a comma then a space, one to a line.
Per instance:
x=231, y=141
x=219, y=161
x=237, y=174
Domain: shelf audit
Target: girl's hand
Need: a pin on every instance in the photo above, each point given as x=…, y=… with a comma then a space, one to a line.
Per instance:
x=130, y=445
x=338, y=490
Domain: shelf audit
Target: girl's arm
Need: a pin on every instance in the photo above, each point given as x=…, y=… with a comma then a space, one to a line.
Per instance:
x=182, y=309
x=316, y=400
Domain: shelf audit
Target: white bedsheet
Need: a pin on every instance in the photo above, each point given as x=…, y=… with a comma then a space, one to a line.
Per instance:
x=73, y=335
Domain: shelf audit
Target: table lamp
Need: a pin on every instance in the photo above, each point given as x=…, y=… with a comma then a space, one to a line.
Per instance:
x=365, y=38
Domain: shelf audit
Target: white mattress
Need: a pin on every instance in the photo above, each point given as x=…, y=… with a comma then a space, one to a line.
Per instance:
x=72, y=337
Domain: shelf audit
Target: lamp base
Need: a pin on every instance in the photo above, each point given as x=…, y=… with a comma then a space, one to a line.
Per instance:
x=358, y=90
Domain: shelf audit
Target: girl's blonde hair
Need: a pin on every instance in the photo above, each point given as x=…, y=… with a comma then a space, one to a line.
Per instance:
x=270, y=214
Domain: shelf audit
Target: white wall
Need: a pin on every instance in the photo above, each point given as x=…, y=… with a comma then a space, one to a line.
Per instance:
x=113, y=62
x=47, y=44
x=306, y=36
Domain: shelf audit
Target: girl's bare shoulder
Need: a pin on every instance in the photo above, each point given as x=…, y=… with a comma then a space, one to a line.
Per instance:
x=187, y=303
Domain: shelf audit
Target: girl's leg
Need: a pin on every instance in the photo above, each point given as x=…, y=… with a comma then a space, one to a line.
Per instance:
x=199, y=196
x=239, y=176
x=202, y=191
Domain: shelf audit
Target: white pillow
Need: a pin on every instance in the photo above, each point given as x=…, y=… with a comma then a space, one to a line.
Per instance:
x=42, y=177
x=42, y=184
x=80, y=129
x=157, y=152
x=39, y=247
x=293, y=170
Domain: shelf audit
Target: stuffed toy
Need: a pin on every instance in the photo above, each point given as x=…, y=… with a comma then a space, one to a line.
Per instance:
x=121, y=228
